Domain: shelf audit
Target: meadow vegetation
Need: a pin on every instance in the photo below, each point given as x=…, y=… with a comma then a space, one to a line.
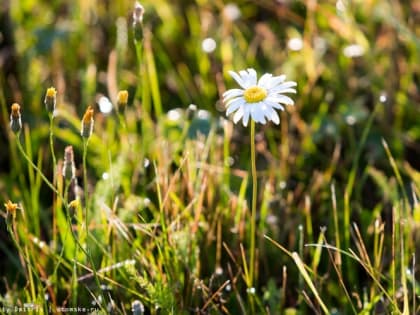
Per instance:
x=154, y=214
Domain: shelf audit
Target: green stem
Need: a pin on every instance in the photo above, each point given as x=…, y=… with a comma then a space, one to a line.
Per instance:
x=87, y=205
x=49, y=184
x=51, y=116
x=85, y=189
x=30, y=268
x=54, y=160
x=139, y=55
x=253, y=207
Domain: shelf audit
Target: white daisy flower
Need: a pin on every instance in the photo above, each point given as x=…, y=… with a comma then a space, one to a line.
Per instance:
x=257, y=98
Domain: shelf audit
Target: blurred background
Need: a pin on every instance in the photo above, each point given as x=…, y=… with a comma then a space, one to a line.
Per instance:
x=347, y=56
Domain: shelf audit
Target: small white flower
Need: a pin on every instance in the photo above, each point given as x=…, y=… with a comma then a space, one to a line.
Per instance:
x=257, y=98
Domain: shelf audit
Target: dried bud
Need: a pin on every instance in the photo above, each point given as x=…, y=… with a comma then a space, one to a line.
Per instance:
x=50, y=99
x=15, y=118
x=74, y=204
x=87, y=123
x=137, y=308
x=69, y=169
x=11, y=208
x=138, y=21
x=122, y=100
x=138, y=13
x=191, y=111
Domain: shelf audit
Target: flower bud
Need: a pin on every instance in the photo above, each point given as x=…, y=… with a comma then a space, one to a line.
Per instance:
x=50, y=99
x=137, y=308
x=122, y=100
x=11, y=208
x=69, y=169
x=87, y=123
x=191, y=111
x=138, y=13
x=15, y=118
x=74, y=204
x=138, y=21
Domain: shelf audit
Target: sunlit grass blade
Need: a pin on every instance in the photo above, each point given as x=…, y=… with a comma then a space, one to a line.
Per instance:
x=308, y=281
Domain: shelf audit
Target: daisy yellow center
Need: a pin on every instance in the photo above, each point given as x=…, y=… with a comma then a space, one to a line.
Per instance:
x=255, y=94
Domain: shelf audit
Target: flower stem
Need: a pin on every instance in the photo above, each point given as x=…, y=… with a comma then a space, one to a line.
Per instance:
x=85, y=189
x=87, y=205
x=51, y=116
x=54, y=168
x=253, y=208
x=30, y=269
x=49, y=184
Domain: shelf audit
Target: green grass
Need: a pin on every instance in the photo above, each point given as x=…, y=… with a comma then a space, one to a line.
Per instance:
x=164, y=211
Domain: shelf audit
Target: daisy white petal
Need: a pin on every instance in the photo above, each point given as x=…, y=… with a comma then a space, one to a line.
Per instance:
x=252, y=77
x=234, y=106
x=284, y=99
x=238, y=79
x=273, y=103
x=249, y=78
x=257, y=114
x=281, y=91
x=275, y=81
x=246, y=117
x=269, y=112
x=284, y=85
x=232, y=93
x=274, y=116
x=264, y=80
x=238, y=115
x=233, y=100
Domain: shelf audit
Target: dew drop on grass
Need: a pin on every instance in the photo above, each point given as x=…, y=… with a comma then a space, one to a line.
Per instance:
x=208, y=45
x=271, y=219
x=250, y=290
x=353, y=51
x=203, y=114
x=105, y=105
x=174, y=115
x=339, y=5
x=230, y=161
x=295, y=44
x=350, y=120
x=383, y=98
x=146, y=202
x=231, y=12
